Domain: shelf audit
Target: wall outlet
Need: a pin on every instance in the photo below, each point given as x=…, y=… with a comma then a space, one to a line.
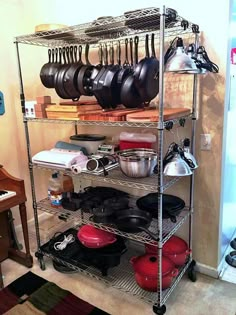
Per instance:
x=206, y=141
x=2, y=105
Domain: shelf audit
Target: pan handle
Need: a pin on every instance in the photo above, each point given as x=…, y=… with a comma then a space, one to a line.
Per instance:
x=147, y=54
x=72, y=54
x=80, y=54
x=136, y=41
x=105, y=55
x=60, y=54
x=111, y=54
x=131, y=52
x=56, y=55
x=49, y=55
x=126, y=62
x=118, y=53
x=153, y=46
x=75, y=53
x=53, y=55
x=100, y=55
x=87, y=54
x=153, y=235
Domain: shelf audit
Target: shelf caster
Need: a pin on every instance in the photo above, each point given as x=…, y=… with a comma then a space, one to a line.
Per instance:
x=40, y=260
x=159, y=310
x=192, y=272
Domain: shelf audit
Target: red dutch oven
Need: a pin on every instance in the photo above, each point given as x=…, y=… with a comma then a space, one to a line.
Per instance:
x=92, y=237
x=176, y=249
x=146, y=268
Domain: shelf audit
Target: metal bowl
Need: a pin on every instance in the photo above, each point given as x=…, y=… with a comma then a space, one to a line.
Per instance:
x=137, y=162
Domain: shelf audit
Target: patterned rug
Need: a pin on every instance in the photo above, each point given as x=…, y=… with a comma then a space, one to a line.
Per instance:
x=33, y=295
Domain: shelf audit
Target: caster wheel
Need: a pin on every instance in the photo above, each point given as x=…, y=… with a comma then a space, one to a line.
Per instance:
x=192, y=275
x=191, y=272
x=159, y=310
x=42, y=264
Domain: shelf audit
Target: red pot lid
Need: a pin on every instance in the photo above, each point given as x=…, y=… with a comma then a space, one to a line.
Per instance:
x=147, y=265
x=89, y=235
x=175, y=245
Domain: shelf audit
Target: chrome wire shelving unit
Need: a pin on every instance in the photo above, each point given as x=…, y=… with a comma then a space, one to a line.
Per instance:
x=166, y=24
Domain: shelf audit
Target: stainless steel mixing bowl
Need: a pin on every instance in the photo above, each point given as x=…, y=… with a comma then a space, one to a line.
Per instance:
x=137, y=162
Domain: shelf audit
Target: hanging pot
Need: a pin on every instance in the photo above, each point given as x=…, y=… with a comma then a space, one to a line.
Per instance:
x=176, y=249
x=92, y=237
x=146, y=271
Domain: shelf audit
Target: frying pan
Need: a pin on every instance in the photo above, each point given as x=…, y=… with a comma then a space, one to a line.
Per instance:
x=130, y=96
x=146, y=73
x=109, y=92
x=96, y=84
x=71, y=73
x=49, y=69
x=59, y=76
x=84, y=75
x=134, y=221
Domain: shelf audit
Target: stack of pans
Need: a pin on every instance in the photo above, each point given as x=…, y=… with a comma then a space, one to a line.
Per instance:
x=171, y=205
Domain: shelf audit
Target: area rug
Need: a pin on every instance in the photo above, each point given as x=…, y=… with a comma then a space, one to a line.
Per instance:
x=33, y=295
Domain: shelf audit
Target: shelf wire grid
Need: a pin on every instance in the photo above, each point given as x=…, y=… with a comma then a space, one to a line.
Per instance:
x=137, y=22
x=80, y=217
x=122, y=277
x=116, y=177
x=151, y=125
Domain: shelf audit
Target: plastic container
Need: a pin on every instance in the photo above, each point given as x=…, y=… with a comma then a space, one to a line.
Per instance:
x=89, y=141
x=55, y=190
x=131, y=140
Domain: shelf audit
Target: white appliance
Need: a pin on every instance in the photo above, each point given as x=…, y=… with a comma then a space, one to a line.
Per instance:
x=60, y=158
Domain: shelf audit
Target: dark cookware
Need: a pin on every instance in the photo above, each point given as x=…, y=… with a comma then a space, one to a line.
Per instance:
x=71, y=74
x=92, y=237
x=85, y=72
x=171, y=205
x=97, y=85
x=146, y=270
x=134, y=221
x=109, y=91
x=59, y=76
x=129, y=94
x=106, y=212
x=49, y=69
x=106, y=257
x=146, y=73
x=176, y=249
x=148, y=18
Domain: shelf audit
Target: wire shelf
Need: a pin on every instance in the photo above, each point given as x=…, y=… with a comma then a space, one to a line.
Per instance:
x=137, y=22
x=122, y=276
x=168, y=227
x=116, y=177
x=151, y=125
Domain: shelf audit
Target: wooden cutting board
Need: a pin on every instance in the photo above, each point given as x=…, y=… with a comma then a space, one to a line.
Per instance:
x=152, y=115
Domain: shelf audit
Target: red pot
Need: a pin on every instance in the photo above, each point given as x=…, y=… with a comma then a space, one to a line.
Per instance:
x=92, y=237
x=146, y=269
x=176, y=249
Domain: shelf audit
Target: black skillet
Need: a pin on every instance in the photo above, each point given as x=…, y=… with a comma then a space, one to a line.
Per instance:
x=146, y=73
x=124, y=71
x=96, y=84
x=59, y=77
x=84, y=75
x=134, y=221
x=109, y=92
x=71, y=74
x=130, y=96
x=49, y=69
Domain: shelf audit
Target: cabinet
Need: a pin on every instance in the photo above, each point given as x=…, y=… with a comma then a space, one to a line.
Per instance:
x=122, y=277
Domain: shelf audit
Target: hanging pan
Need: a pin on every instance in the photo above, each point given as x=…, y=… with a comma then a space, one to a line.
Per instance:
x=146, y=73
x=49, y=69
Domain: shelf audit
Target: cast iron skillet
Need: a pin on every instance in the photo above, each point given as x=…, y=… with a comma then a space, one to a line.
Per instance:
x=146, y=74
x=71, y=73
x=130, y=96
x=134, y=221
x=109, y=92
x=49, y=69
x=84, y=75
x=59, y=76
x=96, y=84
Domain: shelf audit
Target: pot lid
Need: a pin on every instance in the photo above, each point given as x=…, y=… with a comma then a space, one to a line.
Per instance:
x=147, y=265
x=88, y=137
x=175, y=245
x=89, y=233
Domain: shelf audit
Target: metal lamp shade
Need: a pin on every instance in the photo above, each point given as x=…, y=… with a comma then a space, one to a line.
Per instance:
x=181, y=62
x=177, y=167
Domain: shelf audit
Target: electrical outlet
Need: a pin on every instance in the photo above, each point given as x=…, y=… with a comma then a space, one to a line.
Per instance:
x=2, y=105
x=206, y=141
